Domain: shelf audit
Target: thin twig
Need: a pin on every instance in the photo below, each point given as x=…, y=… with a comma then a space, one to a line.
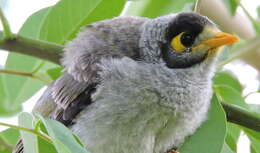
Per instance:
x=245, y=10
x=196, y=6
x=250, y=93
x=42, y=135
x=7, y=31
x=25, y=74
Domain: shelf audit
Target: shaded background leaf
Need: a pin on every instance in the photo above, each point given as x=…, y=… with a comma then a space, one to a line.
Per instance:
x=231, y=5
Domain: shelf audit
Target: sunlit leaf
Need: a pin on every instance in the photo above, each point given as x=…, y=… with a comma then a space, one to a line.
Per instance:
x=66, y=17
x=228, y=94
x=105, y=10
x=205, y=140
x=225, y=78
x=31, y=27
x=17, y=89
x=155, y=8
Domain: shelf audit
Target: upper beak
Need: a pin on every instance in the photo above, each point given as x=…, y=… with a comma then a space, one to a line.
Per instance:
x=220, y=39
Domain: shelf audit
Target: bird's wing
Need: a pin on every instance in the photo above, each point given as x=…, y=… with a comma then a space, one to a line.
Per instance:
x=70, y=96
x=115, y=38
x=64, y=98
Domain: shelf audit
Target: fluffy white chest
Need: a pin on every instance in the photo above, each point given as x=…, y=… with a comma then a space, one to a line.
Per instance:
x=142, y=110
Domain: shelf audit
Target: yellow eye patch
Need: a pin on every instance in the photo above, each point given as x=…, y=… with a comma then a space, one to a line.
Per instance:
x=177, y=44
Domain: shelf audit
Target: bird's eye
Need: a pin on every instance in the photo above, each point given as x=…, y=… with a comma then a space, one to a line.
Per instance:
x=180, y=42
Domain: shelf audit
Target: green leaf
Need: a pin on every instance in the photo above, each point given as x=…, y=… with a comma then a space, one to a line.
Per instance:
x=233, y=133
x=254, y=138
x=45, y=147
x=226, y=149
x=228, y=94
x=252, y=150
x=16, y=89
x=209, y=138
x=58, y=132
x=252, y=133
x=66, y=17
x=54, y=73
x=30, y=141
x=225, y=78
x=5, y=109
x=105, y=10
x=254, y=144
x=231, y=5
x=258, y=12
x=256, y=25
x=31, y=27
x=228, y=89
x=9, y=137
x=155, y=8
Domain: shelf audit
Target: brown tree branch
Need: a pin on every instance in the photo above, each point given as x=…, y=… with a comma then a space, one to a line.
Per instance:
x=31, y=47
x=241, y=116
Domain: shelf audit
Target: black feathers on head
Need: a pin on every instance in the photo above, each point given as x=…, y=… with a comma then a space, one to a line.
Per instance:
x=187, y=22
x=192, y=24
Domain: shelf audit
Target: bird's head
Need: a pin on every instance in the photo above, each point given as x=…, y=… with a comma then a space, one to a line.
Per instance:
x=182, y=40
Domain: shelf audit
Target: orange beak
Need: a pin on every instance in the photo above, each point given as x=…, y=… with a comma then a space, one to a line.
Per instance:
x=220, y=39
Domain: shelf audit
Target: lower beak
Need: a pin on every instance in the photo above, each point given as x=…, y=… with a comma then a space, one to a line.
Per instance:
x=220, y=39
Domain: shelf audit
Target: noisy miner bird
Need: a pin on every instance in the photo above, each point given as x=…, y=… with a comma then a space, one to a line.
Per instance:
x=136, y=85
